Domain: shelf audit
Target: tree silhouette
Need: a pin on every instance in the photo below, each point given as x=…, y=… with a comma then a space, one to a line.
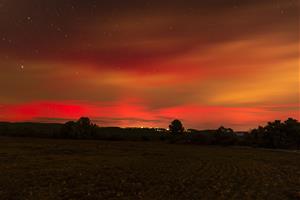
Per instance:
x=84, y=122
x=278, y=134
x=176, y=127
x=292, y=128
x=224, y=136
x=83, y=128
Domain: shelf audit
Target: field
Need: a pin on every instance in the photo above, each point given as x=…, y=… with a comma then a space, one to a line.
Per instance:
x=78, y=169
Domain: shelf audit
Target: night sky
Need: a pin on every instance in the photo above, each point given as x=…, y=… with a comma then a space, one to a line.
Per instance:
x=144, y=63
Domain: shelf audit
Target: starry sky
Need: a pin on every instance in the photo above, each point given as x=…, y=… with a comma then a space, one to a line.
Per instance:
x=143, y=63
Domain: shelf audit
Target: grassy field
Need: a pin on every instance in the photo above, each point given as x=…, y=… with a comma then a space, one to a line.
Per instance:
x=70, y=169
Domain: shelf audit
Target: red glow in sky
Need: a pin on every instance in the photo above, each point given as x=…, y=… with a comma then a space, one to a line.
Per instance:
x=143, y=64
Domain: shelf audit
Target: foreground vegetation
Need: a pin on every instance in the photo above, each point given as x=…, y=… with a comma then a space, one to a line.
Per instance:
x=90, y=169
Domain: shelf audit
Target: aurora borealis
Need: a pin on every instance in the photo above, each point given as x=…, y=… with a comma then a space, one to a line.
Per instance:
x=144, y=63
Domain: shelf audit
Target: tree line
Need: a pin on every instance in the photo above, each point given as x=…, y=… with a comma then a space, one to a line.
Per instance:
x=276, y=134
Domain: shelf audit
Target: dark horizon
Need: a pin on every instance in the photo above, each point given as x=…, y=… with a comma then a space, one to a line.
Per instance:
x=166, y=126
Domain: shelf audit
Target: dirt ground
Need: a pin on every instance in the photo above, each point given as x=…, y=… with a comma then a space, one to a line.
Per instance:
x=80, y=169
